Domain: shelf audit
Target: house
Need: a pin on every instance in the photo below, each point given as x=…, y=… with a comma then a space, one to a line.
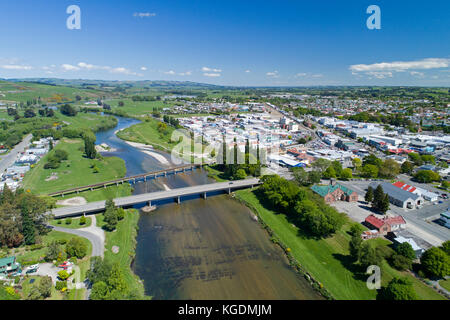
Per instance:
x=335, y=192
x=9, y=266
x=445, y=219
x=385, y=224
x=402, y=198
x=417, y=249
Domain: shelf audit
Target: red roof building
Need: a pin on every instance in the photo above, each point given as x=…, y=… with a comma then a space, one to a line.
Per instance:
x=386, y=224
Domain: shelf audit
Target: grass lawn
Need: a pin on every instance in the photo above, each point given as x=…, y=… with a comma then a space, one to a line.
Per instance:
x=147, y=132
x=445, y=284
x=111, y=192
x=124, y=238
x=74, y=172
x=74, y=225
x=328, y=259
x=215, y=174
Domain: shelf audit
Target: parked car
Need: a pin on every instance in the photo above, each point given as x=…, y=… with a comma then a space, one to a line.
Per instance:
x=32, y=269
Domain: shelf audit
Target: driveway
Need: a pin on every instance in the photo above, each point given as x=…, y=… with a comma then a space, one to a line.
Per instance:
x=93, y=233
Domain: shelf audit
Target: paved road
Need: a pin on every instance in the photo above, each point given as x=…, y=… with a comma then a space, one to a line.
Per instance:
x=11, y=157
x=97, y=241
x=159, y=195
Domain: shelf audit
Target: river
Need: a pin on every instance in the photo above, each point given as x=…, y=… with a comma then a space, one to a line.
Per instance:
x=202, y=249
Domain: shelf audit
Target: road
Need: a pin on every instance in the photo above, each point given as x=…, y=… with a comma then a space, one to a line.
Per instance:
x=93, y=233
x=153, y=196
x=11, y=157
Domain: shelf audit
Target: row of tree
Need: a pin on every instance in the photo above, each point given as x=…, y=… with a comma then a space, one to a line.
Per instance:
x=301, y=206
x=378, y=199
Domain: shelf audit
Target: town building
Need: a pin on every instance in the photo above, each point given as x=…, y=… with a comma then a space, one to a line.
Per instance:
x=400, y=197
x=384, y=225
x=335, y=192
x=9, y=266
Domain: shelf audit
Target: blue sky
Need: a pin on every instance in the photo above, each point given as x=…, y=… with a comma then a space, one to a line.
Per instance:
x=243, y=42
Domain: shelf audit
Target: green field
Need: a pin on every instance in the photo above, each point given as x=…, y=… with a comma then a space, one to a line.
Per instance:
x=124, y=238
x=445, y=284
x=74, y=172
x=111, y=192
x=147, y=132
x=24, y=91
x=138, y=108
x=327, y=260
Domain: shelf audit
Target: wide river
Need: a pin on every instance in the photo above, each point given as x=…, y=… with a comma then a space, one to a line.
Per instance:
x=202, y=249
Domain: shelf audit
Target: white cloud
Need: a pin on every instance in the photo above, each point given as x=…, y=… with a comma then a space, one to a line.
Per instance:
x=247, y=71
x=144, y=68
x=187, y=73
x=16, y=67
x=301, y=74
x=69, y=67
x=273, y=74
x=416, y=73
x=380, y=75
x=400, y=66
x=171, y=72
x=317, y=75
x=206, y=69
x=212, y=75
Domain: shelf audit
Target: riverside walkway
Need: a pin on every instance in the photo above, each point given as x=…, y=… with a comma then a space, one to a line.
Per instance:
x=147, y=198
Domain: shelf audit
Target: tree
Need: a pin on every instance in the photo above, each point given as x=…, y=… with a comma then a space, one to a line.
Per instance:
x=435, y=262
x=378, y=197
x=369, y=256
x=384, y=204
x=110, y=215
x=407, y=167
x=89, y=146
x=400, y=262
x=406, y=250
x=99, y=291
x=369, y=195
x=63, y=275
x=446, y=247
x=356, y=247
x=426, y=176
x=68, y=110
x=356, y=164
x=390, y=169
x=370, y=171
x=346, y=174
x=76, y=247
x=28, y=229
x=29, y=113
x=372, y=160
x=398, y=289
x=54, y=249
x=240, y=174
x=300, y=176
x=45, y=287
x=321, y=164
x=329, y=173
x=415, y=158
x=121, y=103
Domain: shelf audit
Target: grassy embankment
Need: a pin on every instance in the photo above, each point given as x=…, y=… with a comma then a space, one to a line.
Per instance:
x=125, y=238
x=26, y=256
x=138, y=108
x=327, y=260
x=445, y=284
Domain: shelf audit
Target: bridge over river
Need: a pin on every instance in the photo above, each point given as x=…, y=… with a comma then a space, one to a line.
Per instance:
x=147, y=198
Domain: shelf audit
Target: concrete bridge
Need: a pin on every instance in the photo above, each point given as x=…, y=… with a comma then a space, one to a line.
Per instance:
x=132, y=179
x=147, y=198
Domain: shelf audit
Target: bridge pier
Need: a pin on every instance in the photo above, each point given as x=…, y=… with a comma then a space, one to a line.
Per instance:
x=178, y=200
x=229, y=190
x=204, y=195
x=149, y=203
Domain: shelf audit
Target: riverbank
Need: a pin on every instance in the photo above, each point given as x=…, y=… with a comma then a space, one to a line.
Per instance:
x=326, y=260
x=148, y=150
x=120, y=247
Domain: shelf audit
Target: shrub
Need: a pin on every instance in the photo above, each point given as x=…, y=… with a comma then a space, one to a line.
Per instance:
x=69, y=221
x=63, y=275
x=82, y=220
x=60, y=285
x=76, y=248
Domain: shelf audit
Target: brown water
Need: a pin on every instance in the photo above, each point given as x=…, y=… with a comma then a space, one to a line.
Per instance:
x=212, y=249
x=203, y=249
